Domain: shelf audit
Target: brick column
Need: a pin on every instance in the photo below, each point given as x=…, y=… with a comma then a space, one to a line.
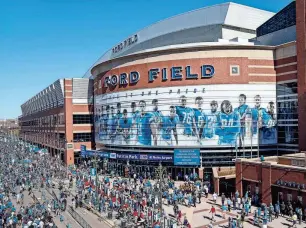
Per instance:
x=239, y=176
x=266, y=183
x=301, y=69
x=217, y=185
x=69, y=152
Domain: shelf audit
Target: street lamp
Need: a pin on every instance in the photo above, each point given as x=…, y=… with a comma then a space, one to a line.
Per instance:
x=160, y=171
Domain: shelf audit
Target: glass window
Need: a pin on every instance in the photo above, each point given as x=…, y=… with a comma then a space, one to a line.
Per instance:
x=82, y=137
x=82, y=119
x=288, y=134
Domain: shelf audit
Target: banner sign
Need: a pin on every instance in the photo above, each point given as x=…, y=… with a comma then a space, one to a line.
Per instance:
x=187, y=157
x=128, y=156
x=92, y=153
x=163, y=157
x=148, y=157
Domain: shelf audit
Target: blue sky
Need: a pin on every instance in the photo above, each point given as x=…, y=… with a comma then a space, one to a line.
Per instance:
x=43, y=40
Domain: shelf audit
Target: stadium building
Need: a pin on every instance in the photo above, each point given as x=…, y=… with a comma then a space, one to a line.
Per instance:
x=201, y=89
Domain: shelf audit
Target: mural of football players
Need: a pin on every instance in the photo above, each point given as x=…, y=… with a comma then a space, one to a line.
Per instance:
x=199, y=116
x=112, y=126
x=211, y=121
x=134, y=115
x=146, y=129
x=168, y=127
x=187, y=120
x=228, y=124
x=242, y=110
x=125, y=124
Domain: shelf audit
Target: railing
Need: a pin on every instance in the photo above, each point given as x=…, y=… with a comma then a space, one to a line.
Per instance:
x=78, y=218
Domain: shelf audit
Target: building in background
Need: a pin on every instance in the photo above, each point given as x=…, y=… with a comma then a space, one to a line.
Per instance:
x=59, y=118
x=200, y=89
x=9, y=126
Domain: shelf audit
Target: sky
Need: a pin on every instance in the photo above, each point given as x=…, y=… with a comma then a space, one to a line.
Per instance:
x=44, y=40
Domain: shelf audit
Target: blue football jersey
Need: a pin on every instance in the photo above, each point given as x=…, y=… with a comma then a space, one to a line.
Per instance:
x=210, y=126
x=265, y=118
x=125, y=124
x=186, y=117
x=144, y=131
x=242, y=110
x=167, y=126
x=228, y=127
x=157, y=116
x=111, y=125
x=200, y=120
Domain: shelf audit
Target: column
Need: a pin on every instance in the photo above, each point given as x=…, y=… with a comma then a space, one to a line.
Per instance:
x=69, y=152
x=239, y=176
x=301, y=70
x=266, y=183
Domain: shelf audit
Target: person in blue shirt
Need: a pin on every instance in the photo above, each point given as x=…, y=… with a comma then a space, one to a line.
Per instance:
x=104, y=121
x=133, y=115
x=242, y=110
x=269, y=131
x=168, y=126
x=157, y=118
x=112, y=126
x=228, y=124
x=200, y=117
x=146, y=129
x=260, y=117
x=211, y=120
x=125, y=124
x=186, y=117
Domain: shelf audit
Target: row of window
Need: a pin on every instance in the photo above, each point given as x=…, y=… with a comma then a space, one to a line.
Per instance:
x=82, y=119
x=54, y=120
x=82, y=137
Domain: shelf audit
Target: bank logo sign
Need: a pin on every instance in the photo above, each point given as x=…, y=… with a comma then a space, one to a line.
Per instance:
x=174, y=73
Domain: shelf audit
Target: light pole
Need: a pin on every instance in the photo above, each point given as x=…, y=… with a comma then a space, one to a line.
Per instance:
x=160, y=171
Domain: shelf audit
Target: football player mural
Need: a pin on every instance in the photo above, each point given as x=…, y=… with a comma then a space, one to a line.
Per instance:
x=211, y=115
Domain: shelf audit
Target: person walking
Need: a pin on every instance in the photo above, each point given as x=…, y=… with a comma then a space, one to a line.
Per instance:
x=294, y=220
x=222, y=198
x=213, y=212
x=277, y=210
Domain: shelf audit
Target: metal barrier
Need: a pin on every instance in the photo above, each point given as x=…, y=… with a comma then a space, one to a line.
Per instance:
x=78, y=218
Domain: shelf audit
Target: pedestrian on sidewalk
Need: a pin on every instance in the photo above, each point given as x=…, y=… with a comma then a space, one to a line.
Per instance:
x=222, y=198
x=224, y=209
x=215, y=196
x=213, y=212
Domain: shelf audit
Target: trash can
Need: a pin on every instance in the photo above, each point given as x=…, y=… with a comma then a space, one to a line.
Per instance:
x=123, y=223
x=110, y=214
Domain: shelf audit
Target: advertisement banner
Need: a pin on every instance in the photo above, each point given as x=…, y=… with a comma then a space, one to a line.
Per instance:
x=187, y=157
x=113, y=155
x=128, y=156
x=232, y=115
x=160, y=157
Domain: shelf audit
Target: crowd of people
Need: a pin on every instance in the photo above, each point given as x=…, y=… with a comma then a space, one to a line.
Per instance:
x=22, y=172
x=134, y=201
